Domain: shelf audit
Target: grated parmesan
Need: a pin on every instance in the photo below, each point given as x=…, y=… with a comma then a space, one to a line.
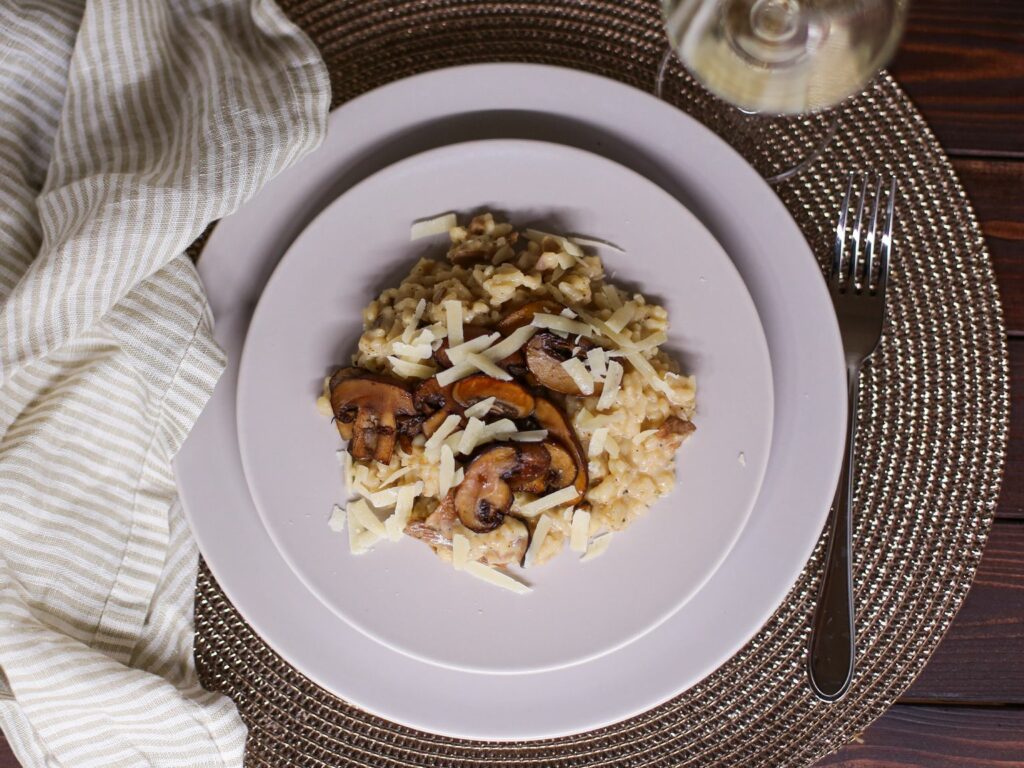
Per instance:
x=409, y=370
x=484, y=365
x=655, y=339
x=612, y=385
x=513, y=343
x=447, y=471
x=395, y=524
x=597, y=360
x=552, y=500
x=456, y=372
x=436, y=440
x=460, y=551
x=323, y=407
x=458, y=353
x=621, y=317
x=471, y=437
x=337, y=521
x=359, y=512
x=597, y=547
x=563, y=324
x=480, y=409
x=540, y=533
x=412, y=352
x=579, y=531
x=580, y=375
x=417, y=315
x=597, y=442
x=453, y=321
x=496, y=578
x=438, y=225
x=529, y=436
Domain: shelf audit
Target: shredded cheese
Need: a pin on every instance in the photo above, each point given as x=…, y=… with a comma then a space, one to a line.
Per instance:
x=579, y=531
x=460, y=551
x=417, y=315
x=597, y=547
x=529, y=436
x=655, y=339
x=395, y=524
x=460, y=475
x=345, y=459
x=447, y=472
x=453, y=321
x=552, y=500
x=484, y=365
x=593, y=242
x=438, y=225
x=400, y=472
x=621, y=317
x=470, y=437
x=337, y=521
x=408, y=370
x=646, y=370
x=597, y=442
x=568, y=245
x=513, y=343
x=580, y=375
x=436, y=440
x=563, y=324
x=496, y=578
x=412, y=352
x=323, y=407
x=540, y=533
x=456, y=372
x=612, y=384
x=568, y=313
x=359, y=511
x=458, y=353
x=611, y=294
x=498, y=430
x=358, y=543
x=597, y=360
x=480, y=409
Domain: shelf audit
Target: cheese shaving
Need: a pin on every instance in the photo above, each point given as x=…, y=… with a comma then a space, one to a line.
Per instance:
x=597, y=360
x=612, y=384
x=323, y=407
x=593, y=242
x=579, y=531
x=513, y=343
x=611, y=294
x=412, y=352
x=580, y=375
x=446, y=475
x=563, y=324
x=345, y=459
x=439, y=225
x=337, y=521
x=597, y=442
x=568, y=313
x=400, y=472
x=552, y=500
x=357, y=542
x=498, y=430
x=395, y=524
x=655, y=339
x=470, y=437
x=460, y=551
x=460, y=475
x=646, y=370
x=540, y=533
x=453, y=321
x=566, y=260
x=456, y=372
x=484, y=365
x=567, y=245
x=529, y=436
x=496, y=578
x=480, y=409
x=640, y=437
x=417, y=315
x=458, y=353
x=408, y=370
x=436, y=440
x=620, y=319
x=360, y=512
x=597, y=547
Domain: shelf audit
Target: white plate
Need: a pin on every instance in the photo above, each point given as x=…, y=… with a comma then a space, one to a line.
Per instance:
x=310, y=316
x=754, y=228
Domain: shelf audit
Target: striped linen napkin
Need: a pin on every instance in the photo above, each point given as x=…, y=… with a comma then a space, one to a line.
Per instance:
x=126, y=126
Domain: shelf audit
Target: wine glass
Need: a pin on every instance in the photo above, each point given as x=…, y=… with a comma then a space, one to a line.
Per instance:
x=782, y=58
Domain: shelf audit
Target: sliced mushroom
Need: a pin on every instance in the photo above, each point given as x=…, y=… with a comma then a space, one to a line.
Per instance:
x=545, y=354
x=673, y=432
x=435, y=403
x=510, y=399
x=517, y=318
x=560, y=469
x=504, y=545
x=550, y=417
x=367, y=407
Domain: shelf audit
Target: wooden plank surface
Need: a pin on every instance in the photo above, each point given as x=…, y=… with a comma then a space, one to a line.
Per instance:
x=962, y=62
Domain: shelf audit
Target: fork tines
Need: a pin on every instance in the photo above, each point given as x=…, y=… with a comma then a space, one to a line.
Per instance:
x=864, y=266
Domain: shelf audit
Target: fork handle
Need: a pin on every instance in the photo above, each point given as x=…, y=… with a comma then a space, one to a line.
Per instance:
x=831, y=652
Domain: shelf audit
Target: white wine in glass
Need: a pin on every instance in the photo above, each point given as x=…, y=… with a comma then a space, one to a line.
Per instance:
x=784, y=56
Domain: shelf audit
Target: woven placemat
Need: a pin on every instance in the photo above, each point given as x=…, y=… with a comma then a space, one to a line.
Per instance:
x=933, y=414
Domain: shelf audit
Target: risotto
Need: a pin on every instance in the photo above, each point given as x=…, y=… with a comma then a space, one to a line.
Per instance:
x=506, y=403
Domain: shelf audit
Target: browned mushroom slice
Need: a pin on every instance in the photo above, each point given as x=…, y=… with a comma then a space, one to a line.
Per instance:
x=510, y=399
x=517, y=318
x=484, y=497
x=469, y=333
x=545, y=354
x=550, y=417
x=435, y=403
x=367, y=407
x=532, y=472
x=673, y=432
x=559, y=469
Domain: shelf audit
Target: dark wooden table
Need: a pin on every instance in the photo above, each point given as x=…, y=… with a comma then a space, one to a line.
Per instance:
x=962, y=61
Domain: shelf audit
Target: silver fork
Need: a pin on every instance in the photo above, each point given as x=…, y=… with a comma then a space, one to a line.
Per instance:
x=858, y=293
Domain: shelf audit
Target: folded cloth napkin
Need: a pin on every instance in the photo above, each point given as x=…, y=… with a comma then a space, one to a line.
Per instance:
x=125, y=128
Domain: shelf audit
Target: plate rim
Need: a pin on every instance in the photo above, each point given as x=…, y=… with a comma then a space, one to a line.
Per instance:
x=576, y=83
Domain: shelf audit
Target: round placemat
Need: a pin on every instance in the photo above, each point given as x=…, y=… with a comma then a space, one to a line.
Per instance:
x=933, y=410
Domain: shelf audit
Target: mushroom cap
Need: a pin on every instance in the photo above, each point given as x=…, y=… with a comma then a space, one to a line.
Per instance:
x=550, y=417
x=367, y=407
x=523, y=315
x=511, y=399
x=559, y=468
x=546, y=352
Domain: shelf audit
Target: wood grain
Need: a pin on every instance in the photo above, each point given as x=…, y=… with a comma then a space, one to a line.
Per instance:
x=1011, y=496
x=996, y=191
x=937, y=737
x=7, y=759
x=981, y=658
x=962, y=62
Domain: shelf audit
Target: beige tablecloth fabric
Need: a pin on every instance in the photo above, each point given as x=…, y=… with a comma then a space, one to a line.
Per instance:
x=125, y=128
